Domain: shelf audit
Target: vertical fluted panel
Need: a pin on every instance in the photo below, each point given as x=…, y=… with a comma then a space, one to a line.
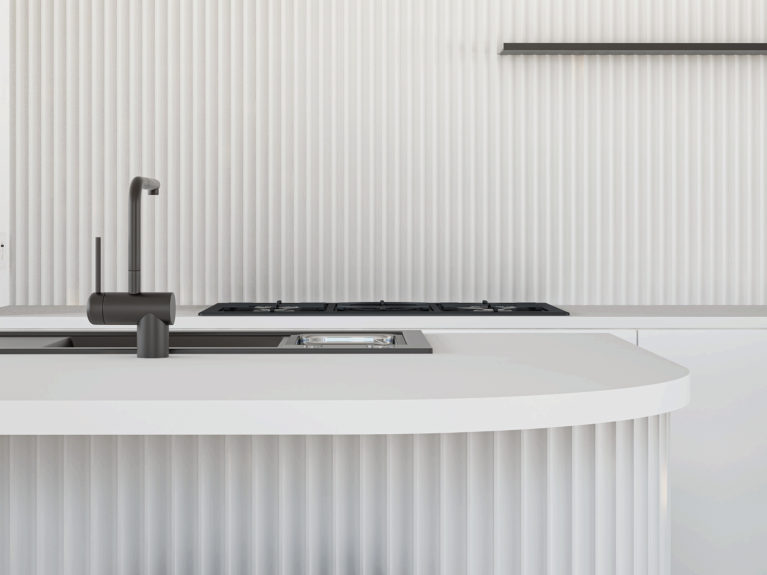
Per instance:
x=560, y=495
x=346, y=505
x=624, y=500
x=588, y=499
x=480, y=502
x=48, y=481
x=426, y=518
x=21, y=506
x=509, y=494
x=266, y=505
x=642, y=525
x=131, y=505
x=185, y=504
x=606, y=504
x=319, y=504
x=347, y=150
x=584, y=500
x=400, y=500
x=534, y=502
x=374, y=501
x=211, y=504
x=5, y=505
x=157, y=506
x=239, y=505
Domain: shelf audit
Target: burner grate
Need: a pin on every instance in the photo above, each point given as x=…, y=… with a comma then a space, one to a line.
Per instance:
x=485, y=307
x=264, y=308
x=281, y=307
x=466, y=307
x=518, y=308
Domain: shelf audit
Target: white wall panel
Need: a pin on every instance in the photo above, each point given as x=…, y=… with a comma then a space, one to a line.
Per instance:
x=343, y=149
x=718, y=453
x=6, y=41
x=520, y=503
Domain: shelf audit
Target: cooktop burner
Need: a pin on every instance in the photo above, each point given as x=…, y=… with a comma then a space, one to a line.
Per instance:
x=513, y=308
x=257, y=308
x=385, y=307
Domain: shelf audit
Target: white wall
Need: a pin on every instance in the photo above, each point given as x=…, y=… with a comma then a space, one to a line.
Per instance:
x=359, y=149
x=5, y=149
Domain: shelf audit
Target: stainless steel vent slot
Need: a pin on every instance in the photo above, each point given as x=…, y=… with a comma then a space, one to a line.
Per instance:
x=340, y=339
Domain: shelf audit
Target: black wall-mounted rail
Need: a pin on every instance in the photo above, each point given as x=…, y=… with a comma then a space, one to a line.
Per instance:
x=647, y=48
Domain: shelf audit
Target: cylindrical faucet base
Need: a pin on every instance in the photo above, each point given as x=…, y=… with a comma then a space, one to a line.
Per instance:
x=152, y=337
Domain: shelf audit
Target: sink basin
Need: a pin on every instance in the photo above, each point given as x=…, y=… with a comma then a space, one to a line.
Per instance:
x=407, y=341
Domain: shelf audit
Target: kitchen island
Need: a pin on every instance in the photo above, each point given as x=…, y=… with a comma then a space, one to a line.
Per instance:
x=501, y=451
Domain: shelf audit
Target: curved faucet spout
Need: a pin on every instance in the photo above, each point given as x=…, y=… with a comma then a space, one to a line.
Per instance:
x=152, y=187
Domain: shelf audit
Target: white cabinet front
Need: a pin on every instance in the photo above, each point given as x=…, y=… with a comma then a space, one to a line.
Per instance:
x=718, y=473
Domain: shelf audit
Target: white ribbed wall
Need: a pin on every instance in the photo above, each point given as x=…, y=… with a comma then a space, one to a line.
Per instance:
x=344, y=149
x=583, y=501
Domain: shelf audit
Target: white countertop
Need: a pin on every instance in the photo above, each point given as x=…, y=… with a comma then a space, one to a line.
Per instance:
x=582, y=317
x=472, y=382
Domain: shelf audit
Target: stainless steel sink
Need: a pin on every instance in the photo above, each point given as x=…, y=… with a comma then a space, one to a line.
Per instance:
x=407, y=341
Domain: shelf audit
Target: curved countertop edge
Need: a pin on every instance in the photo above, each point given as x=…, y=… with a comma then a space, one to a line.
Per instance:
x=340, y=417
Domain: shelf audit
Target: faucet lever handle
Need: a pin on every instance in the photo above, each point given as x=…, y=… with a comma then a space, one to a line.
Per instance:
x=98, y=265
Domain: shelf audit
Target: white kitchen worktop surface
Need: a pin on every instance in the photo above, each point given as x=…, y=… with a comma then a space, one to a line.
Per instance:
x=472, y=382
x=582, y=317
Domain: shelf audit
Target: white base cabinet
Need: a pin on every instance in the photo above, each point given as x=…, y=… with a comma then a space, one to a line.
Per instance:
x=718, y=470
x=584, y=500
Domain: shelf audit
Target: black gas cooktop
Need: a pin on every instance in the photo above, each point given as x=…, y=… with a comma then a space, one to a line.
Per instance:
x=384, y=307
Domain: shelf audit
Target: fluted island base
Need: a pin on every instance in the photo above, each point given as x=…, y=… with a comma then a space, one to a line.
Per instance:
x=587, y=499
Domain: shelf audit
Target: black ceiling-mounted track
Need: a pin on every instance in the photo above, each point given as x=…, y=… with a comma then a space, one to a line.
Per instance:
x=620, y=48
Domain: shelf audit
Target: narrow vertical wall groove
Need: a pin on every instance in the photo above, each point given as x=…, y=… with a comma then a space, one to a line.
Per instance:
x=5, y=504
